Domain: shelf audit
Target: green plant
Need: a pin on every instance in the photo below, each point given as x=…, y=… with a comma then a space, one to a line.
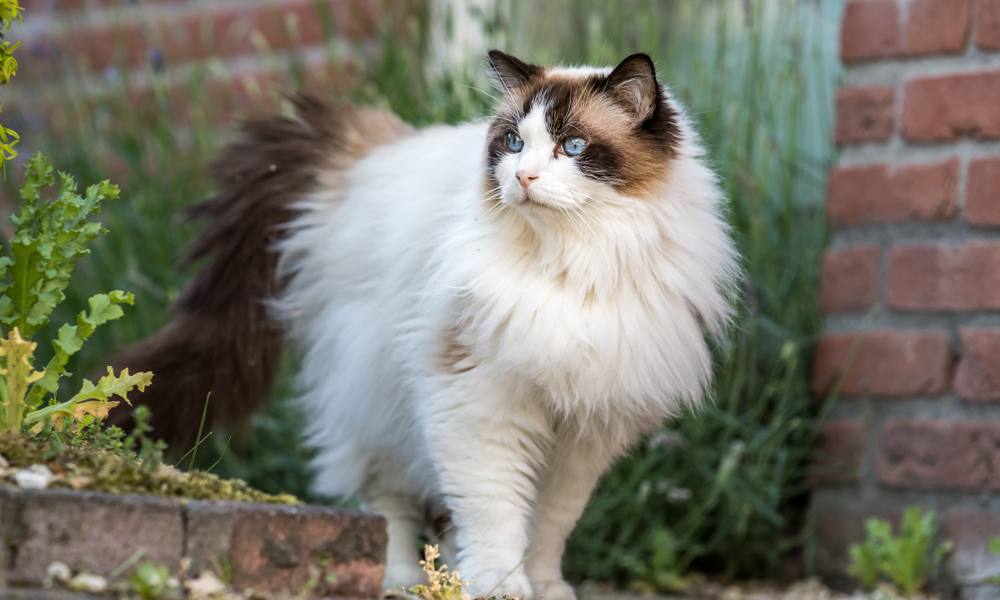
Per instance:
x=10, y=12
x=993, y=547
x=908, y=560
x=50, y=236
x=152, y=582
x=52, y=229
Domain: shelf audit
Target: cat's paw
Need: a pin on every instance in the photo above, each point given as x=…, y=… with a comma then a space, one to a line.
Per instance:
x=553, y=590
x=499, y=584
x=401, y=576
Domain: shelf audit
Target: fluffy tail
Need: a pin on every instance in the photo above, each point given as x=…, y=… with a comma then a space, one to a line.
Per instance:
x=221, y=339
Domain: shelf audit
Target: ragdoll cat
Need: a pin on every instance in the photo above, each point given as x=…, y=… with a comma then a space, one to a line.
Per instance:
x=488, y=314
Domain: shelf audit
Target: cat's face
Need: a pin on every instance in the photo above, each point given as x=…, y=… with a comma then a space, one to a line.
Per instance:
x=563, y=138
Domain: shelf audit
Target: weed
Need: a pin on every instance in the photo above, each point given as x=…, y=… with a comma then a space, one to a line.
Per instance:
x=52, y=230
x=153, y=582
x=993, y=547
x=10, y=12
x=908, y=560
x=442, y=584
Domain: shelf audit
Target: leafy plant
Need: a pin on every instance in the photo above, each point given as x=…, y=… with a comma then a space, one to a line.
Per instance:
x=152, y=582
x=908, y=560
x=10, y=12
x=50, y=237
x=993, y=547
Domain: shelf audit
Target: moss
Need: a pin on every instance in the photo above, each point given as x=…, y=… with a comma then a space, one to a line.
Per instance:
x=95, y=469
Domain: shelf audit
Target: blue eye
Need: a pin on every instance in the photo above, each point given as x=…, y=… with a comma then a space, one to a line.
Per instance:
x=574, y=146
x=514, y=142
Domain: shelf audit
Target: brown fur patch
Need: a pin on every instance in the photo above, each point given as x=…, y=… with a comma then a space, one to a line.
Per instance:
x=628, y=153
x=455, y=356
x=221, y=339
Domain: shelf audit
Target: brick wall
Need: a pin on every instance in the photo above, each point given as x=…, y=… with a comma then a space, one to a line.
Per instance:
x=911, y=281
x=248, y=45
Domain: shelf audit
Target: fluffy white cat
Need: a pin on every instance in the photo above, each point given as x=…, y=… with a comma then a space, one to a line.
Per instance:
x=488, y=314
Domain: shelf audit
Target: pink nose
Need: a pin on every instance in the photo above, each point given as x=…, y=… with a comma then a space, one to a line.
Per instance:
x=525, y=179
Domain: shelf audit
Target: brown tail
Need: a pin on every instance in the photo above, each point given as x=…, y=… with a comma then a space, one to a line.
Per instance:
x=221, y=339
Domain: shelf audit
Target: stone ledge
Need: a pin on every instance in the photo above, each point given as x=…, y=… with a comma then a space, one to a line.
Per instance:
x=269, y=548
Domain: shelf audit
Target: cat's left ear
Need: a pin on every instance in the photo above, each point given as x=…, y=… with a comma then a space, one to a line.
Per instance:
x=633, y=85
x=511, y=71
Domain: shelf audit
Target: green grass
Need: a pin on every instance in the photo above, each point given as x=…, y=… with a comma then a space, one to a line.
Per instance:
x=722, y=490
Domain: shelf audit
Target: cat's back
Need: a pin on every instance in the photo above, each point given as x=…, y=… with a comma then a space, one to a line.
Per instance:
x=423, y=165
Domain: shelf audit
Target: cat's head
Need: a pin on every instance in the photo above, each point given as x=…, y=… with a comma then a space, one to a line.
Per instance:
x=564, y=137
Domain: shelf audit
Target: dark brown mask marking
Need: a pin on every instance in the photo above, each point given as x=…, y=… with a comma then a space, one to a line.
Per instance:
x=626, y=118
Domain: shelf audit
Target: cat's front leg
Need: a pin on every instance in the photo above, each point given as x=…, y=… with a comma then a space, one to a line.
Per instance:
x=578, y=461
x=487, y=441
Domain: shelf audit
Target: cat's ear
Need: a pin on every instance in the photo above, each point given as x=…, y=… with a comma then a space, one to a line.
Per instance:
x=511, y=72
x=633, y=85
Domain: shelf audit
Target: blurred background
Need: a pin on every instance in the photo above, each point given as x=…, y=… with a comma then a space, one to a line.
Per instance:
x=775, y=476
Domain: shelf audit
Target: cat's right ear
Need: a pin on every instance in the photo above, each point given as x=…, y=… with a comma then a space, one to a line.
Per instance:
x=511, y=72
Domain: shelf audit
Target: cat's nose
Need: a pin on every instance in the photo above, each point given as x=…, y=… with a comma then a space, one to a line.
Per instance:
x=526, y=178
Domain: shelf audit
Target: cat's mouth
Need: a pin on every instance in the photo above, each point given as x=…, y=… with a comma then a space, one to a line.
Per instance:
x=532, y=200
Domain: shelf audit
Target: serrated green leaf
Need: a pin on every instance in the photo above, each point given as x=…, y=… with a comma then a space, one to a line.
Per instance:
x=102, y=308
x=93, y=399
x=50, y=237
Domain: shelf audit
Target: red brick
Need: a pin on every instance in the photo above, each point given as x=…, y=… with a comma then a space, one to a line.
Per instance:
x=277, y=548
x=95, y=532
x=978, y=374
x=191, y=35
x=865, y=114
x=850, y=279
x=988, y=25
x=883, y=363
x=970, y=530
x=939, y=455
x=944, y=277
x=276, y=551
x=67, y=6
x=870, y=30
x=878, y=194
x=945, y=107
x=982, y=195
x=936, y=26
x=839, y=456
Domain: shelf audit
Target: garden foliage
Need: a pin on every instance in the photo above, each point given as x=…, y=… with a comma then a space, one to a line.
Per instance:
x=10, y=12
x=50, y=236
x=908, y=560
x=52, y=230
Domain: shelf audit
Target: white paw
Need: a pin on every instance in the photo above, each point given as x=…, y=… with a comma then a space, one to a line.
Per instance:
x=403, y=576
x=553, y=590
x=498, y=584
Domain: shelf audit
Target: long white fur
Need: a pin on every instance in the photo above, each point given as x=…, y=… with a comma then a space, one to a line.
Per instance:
x=585, y=314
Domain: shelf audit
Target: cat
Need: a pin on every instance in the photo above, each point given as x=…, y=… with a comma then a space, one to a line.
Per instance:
x=488, y=314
